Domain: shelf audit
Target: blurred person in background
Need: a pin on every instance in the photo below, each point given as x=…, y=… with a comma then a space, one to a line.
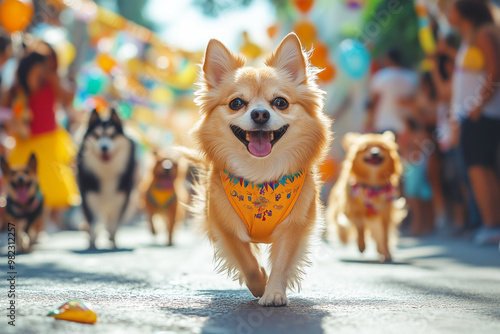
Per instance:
x=448, y=135
x=422, y=182
x=36, y=92
x=476, y=101
x=389, y=85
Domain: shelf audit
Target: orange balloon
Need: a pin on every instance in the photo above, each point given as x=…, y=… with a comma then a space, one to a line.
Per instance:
x=328, y=73
x=319, y=56
x=306, y=31
x=16, y=15
x=272, y=31
x=303, y=5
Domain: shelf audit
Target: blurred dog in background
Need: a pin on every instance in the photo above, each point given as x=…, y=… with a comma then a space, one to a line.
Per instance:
x=106, y=174
x=366, y=195
x=163, y=191
x=24, y=206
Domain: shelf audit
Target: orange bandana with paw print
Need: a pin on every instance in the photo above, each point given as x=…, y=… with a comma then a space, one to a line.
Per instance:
x=264, y=206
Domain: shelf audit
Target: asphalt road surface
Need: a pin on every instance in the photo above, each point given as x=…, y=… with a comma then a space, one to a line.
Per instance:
x=436, y=285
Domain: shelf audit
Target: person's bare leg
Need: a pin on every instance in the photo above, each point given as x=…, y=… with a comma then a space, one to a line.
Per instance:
x=428, y=215
x=487, y=194
x=434, y=175
x=416, y=216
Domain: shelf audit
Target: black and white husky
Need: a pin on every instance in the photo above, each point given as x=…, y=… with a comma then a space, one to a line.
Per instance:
x=106, y=170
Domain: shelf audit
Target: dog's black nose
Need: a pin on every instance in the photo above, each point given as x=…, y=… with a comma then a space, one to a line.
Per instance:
x=104, y=149
x=375, y=151
x=260, y=116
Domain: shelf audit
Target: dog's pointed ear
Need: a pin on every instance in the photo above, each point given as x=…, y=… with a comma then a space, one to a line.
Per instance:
x=289, y=57
x=94, y=117
x=5, y=165
x=349, y=139
x=115, y=118
x=32, y=163
x=218, y=62
x=389, y=135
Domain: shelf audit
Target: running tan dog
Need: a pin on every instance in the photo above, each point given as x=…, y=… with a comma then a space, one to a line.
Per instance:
x=365, y=197
x=261, y=135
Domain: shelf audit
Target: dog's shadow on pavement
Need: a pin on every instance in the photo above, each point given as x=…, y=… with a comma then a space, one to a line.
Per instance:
x=102, y=251
x=237, y=311
x=392, y=263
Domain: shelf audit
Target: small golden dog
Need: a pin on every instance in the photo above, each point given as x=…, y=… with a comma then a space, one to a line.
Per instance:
x=262, y=134
x=365, y=197
x=160, y=196
x=24, y=206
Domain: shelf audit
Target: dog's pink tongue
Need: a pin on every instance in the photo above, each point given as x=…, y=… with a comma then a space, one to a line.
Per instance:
x=260, y=143
x=22, y=194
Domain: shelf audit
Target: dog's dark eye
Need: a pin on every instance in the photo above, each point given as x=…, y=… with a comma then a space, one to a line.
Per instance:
x=237, y=104
x=280, y=103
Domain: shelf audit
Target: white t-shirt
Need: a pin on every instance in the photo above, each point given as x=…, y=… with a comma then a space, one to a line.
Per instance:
x=392, y=84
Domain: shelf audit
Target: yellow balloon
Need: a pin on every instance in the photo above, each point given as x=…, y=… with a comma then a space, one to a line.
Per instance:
x=473, y=59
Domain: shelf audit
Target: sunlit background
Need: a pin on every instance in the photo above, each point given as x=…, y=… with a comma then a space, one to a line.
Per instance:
x=143, y=54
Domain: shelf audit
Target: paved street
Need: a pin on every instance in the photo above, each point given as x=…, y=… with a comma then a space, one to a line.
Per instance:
x=437, y=285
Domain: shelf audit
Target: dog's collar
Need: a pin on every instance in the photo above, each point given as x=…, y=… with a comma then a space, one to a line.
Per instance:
x=285, y=179
x=370, y=196
x=161, y=198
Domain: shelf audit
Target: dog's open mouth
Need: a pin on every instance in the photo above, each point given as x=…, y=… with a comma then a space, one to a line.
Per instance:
x=105, y=157
x=259, y=143
x=374, y=160
x=22, y=191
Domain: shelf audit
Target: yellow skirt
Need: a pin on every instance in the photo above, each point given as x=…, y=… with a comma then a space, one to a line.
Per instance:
x=55, y=151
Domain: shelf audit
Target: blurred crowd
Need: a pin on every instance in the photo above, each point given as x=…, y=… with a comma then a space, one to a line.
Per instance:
x=446, y=116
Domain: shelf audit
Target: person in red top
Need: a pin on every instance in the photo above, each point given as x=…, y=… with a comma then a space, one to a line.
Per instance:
x=39, y=86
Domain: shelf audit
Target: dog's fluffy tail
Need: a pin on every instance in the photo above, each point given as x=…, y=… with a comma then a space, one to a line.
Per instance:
x=197, y=207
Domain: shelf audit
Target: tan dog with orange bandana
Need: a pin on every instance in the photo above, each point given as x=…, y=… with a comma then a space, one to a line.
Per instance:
x=262, y=134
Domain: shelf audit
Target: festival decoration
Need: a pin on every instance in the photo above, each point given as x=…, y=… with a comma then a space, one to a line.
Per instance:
x=272, y=31
x=105, y=62
x=353, y=59
x=303, y=5
x=16, y=15
x=75, y=310
x=93, y=82
x=161, y=95
x=249, y=49
x=425, y=34
x=65, y=52
x=328, y=73
x=306, y=31
x=319, y=56
x=355, y=4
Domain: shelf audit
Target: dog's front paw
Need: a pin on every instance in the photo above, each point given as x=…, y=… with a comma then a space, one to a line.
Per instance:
x=257, y=283
x=275, y=298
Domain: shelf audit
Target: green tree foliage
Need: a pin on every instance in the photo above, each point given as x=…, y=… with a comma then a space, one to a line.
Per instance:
x=389, y=26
